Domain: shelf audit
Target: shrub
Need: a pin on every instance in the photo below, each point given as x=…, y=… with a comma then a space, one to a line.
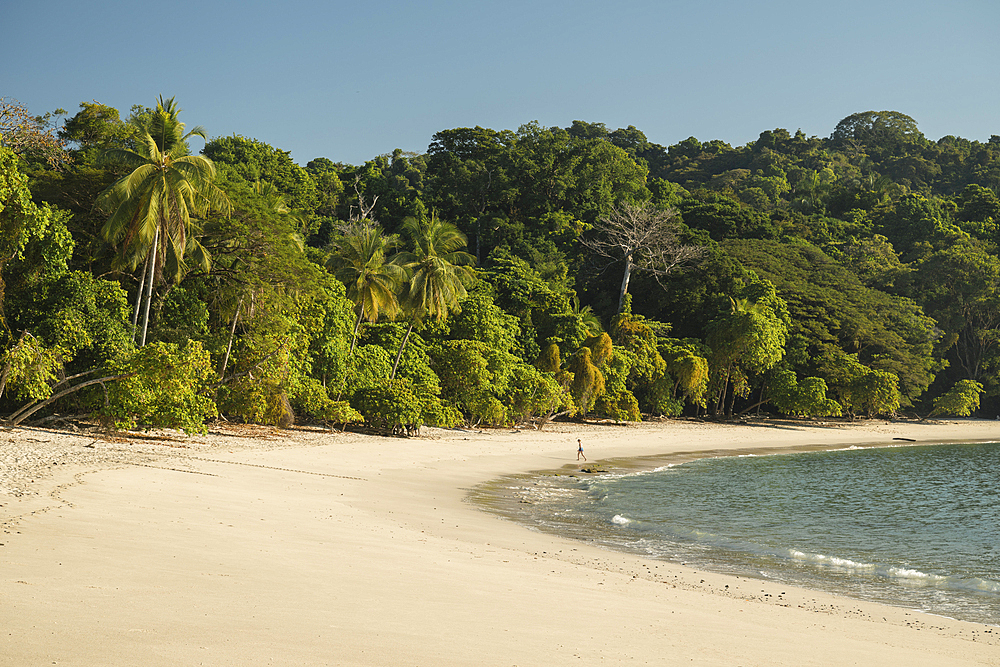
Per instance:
x=620, y=406
x=167, y=386
x=391, y=405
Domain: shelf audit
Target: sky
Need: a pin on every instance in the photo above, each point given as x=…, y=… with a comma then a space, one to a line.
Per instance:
x=352, y=80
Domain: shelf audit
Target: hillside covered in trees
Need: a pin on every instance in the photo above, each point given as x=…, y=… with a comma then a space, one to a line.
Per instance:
x=499, y=277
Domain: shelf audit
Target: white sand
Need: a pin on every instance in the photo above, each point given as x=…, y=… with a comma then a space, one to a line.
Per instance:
x=309, y=548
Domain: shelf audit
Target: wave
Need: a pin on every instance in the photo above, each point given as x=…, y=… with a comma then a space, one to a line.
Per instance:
x=901, y=574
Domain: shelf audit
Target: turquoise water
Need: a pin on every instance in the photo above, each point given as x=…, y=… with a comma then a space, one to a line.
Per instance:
x=917, y=527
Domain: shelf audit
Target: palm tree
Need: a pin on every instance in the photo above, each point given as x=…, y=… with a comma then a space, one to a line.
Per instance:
x=153, y=205
x=439, y=272
x=359, y=259
x=586, y=315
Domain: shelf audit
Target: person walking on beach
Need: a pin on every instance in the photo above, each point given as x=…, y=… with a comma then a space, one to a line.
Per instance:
x=579, y=450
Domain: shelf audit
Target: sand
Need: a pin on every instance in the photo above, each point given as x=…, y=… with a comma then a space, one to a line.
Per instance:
x=305, y=547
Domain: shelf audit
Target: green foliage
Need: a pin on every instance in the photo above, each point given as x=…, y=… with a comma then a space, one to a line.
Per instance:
x=620, y=406
x=440, y=270
x=961, y=400
x=29, y=369
x=724, y=217
x=359, y=258
x=807, y=398
x=600, y=348
x=391, y=405
x=95, y=129
x=486, y=409
x=482, y=320
x=254, y=160
x=873, y=392
x=549, y=359
x=465, y=375
x=749, y=340
x=183, y=314
x=880, y=245
x=588, y=381
x=829, y=306
x=311, y=398
x=688, y=370
x=635, y=334
x=877, y=132
x=437, y=413
x=414, y=363
x=617, y=369
x=151, y=208
x=21, y=221
x=861, y=389
x=367, y=367
x=78, y=313
x=533, y=393
x=166, y=386
x=258, y=401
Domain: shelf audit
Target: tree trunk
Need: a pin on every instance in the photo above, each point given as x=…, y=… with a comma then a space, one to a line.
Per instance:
x=479, y=235
x=354, y=336
x=232, y=334
x=400, y=353
x=624, y=288
x=27, y=411
x=149, y=286
x=138, y=299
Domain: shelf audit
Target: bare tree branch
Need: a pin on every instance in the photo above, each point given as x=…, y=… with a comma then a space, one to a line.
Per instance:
x=645, y=238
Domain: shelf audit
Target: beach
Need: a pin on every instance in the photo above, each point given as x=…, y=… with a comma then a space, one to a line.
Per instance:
x=259, y=546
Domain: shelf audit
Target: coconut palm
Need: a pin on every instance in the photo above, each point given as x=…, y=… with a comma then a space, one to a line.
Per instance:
x=439, y=271
x=359, y=259
x=153, y=205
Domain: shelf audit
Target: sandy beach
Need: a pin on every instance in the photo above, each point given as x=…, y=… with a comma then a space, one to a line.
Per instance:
x=255, y=546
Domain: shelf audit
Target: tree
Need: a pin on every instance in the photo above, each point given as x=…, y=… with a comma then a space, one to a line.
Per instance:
x=469, y=176
x=152, y=206
x=645, y=238
x=830, y=307
x=439, y=272
x=97, y=128
x=878, y=133
x=807, y=397
x=21, y=221
x=359, y=259
x=255, y=160
x=749, y=339
x=961, y=400
x=588, y=380
x=162, y=385
x=24, y=134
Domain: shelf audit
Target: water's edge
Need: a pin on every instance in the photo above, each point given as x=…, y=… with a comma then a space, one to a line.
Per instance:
x=512, y=496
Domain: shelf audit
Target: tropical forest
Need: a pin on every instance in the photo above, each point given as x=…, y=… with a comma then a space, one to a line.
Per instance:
x=154, y=275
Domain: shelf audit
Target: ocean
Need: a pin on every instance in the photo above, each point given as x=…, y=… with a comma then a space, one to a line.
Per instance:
x=909, y=526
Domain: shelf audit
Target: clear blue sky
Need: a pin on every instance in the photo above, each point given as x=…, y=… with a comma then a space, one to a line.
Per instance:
x=352, y=80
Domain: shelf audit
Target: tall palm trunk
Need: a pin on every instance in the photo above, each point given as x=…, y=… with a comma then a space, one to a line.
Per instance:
x=138, y=299
x=354, y=336
x=354, y=341
x=149, y=285
x=399, y=354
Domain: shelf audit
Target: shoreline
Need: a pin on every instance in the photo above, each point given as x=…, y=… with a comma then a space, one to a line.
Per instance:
x=310, y=547
x=515, y=496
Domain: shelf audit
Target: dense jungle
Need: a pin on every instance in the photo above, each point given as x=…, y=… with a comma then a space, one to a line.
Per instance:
x=154, y=275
